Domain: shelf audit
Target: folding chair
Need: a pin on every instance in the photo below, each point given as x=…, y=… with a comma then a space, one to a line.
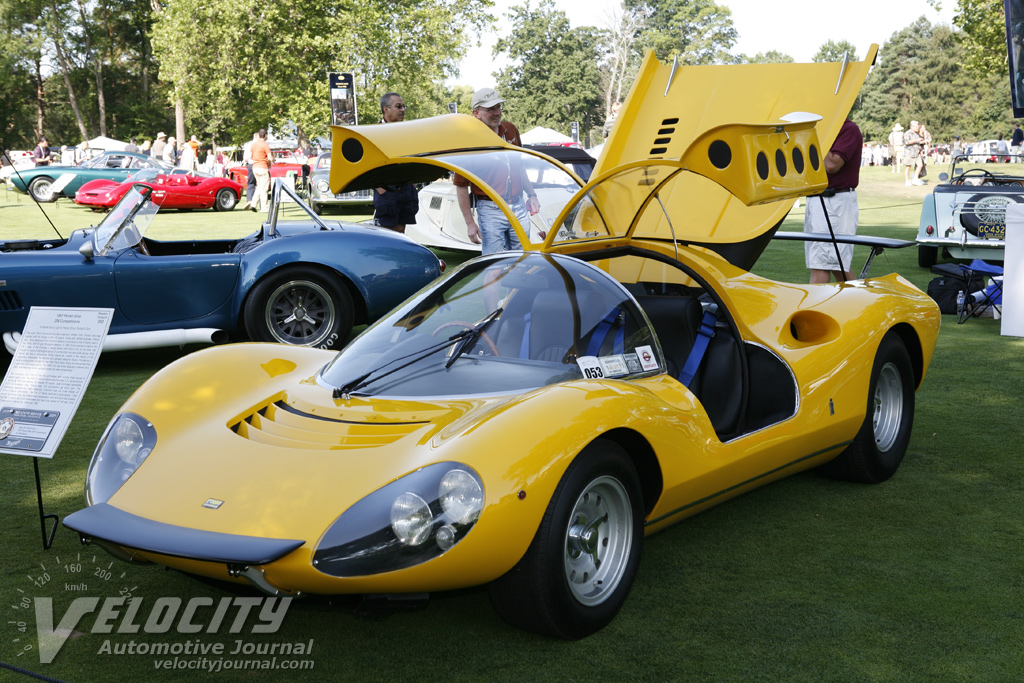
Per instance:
x=989, y=297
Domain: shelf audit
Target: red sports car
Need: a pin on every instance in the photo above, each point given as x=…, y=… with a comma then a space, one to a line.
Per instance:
x=175, y=190
x=284, y=163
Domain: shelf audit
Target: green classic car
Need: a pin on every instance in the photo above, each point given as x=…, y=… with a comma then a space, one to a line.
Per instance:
x=47, y=183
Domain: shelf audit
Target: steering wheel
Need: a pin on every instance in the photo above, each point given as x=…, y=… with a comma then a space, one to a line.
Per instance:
x=470, y=326
x=986, y=175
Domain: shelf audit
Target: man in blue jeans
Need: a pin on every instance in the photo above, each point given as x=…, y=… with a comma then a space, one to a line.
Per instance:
x=491, y=229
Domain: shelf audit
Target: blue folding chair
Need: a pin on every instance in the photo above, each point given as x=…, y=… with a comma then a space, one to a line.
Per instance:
x=991, y=295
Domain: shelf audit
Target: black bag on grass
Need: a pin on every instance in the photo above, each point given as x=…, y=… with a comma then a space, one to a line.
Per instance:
x=951, y=281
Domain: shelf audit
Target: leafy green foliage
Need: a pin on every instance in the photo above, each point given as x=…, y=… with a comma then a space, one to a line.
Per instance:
x=553, y=78
x=834, y=51
x=983, y=33
x=918, y=75
x=256, y=63
x=769, y=57
x=697, y=31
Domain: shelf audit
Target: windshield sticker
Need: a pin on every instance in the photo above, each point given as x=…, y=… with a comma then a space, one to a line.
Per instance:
x=590, y=367
x=647, y=357
x=632, y=363
x=613, y=366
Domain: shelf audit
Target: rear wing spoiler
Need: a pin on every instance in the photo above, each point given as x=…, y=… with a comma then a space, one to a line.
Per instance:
x=877, y=244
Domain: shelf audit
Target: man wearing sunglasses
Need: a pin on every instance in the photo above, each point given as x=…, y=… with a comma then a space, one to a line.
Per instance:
x=494, y=233
x=394, y=206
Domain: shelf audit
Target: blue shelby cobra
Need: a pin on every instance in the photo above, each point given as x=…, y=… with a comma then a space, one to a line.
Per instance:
x=297, y=282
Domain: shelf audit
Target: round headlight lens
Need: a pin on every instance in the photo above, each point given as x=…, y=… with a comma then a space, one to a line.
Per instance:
x=461, y=496
x=411, y=519
x=129, y=442
x=323, y=186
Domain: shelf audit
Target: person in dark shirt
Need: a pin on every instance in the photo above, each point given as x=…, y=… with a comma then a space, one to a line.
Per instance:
x=41, y=154
x=394, y=206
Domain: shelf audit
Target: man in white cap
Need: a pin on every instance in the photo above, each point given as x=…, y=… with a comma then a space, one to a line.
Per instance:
x=896, y=146
x=494, y=233
x=157, y=150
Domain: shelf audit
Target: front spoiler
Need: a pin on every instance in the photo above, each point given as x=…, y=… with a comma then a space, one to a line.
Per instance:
x=107, y=524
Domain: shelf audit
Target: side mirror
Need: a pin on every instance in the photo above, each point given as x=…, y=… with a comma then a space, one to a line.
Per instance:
x=86, y=250
x=943, y=176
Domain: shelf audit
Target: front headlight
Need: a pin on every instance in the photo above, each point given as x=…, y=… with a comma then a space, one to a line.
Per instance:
x=323, y=186
x=128, y=441
x=409, y=521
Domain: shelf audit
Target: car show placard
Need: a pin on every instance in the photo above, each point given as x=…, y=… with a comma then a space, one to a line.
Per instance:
x=52, y=366
x=343, y=99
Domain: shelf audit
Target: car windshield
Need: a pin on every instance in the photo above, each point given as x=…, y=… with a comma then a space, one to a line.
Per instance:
x=323, y=162
x=126, y=223
x=505, y=324
x=144, y=174
x=985, y=162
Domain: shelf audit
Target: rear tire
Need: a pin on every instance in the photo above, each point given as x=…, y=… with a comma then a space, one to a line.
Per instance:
x=41, y=189
x=581, y=564
x=302, y=307
x=225, y=200
x=881, y=443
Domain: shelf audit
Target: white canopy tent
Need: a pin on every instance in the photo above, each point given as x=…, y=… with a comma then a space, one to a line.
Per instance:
x=543, y=136
x=105, y=144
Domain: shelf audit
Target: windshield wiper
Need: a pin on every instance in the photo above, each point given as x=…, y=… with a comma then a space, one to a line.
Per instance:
x=466, y=337
x=473, y=335
x=345, y=390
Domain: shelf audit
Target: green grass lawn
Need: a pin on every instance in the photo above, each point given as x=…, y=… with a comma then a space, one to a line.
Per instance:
x=918, y=579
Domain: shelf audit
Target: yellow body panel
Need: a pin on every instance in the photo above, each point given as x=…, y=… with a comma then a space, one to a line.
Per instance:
x=668, y=108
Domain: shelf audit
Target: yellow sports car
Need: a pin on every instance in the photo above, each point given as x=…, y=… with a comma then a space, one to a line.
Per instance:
x=527, y=419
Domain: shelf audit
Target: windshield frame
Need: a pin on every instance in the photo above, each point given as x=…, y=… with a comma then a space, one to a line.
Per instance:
x=126, y=224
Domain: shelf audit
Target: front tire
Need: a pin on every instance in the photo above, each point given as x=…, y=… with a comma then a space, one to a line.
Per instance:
x=41, y=189
x=301, y=307
x=581, y=564
x=881, y=443
x=318, y=209
x=225, y=200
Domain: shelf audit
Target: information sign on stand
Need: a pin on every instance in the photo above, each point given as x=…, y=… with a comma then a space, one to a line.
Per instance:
x=1012, y=324
x=343, y=99
x=45, y=383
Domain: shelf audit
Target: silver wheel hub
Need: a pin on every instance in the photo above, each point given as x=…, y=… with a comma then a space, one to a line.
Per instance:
x=598, y=541
x=300, y=312
x=888, y=407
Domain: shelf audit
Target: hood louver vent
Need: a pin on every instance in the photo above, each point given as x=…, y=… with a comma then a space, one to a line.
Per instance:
x=279, y=424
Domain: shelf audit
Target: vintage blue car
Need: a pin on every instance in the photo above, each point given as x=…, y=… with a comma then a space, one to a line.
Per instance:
x=303, y=282
x=47, y=183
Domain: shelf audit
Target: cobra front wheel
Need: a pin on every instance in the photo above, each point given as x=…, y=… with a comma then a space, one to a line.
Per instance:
x=302, y=307
x=582, y=561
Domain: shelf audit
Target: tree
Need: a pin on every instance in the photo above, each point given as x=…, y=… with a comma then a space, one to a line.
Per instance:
x=259, y=64
x=770, y=57
x=552, y=78
x=983, y=34
x=918, y=75
x=697, y=31
x=621, y=52
x=833, y=51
